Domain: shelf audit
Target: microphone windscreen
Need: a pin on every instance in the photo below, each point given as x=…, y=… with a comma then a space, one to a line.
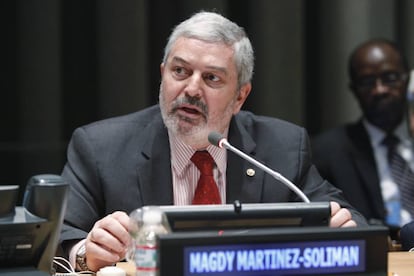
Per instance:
x=214, y=138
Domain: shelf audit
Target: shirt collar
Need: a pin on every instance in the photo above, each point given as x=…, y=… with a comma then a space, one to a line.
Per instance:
x=377, y=135
x=182, y=153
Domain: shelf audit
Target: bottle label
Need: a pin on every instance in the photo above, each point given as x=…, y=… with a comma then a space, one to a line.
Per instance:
x=146, y=258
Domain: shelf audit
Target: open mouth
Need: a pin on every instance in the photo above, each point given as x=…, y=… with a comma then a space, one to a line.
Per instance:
x=190, y=110
x=190, y=115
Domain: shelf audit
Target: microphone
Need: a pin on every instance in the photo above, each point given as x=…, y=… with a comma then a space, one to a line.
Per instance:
x=220, y=141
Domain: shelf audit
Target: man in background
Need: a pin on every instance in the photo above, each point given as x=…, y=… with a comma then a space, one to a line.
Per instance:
x=361, y=158
x=407, y=237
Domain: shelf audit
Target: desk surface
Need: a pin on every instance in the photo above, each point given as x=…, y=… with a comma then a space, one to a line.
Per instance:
x=399, y=264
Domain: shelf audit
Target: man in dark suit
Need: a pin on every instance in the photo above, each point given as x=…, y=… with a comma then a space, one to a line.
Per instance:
x=353, y=157
x=120, y=164
x=407, y=236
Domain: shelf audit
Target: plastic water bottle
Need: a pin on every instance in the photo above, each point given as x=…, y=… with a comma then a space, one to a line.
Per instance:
x=146, y=250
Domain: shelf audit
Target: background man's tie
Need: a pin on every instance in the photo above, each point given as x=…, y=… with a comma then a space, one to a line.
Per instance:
x=401, y=173
x=207, y=191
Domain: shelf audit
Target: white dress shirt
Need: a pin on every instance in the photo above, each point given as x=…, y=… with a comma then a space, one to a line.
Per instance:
x=185, y=174
x=389, y=189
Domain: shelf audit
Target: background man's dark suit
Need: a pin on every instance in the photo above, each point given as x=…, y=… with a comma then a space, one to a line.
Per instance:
x=407, y=236
x=344, y=156
x=124, y=163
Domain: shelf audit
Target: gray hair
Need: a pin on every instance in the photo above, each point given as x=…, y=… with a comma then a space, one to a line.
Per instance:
x=214, y=28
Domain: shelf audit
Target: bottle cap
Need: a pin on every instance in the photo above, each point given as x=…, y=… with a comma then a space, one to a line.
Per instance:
x=152, y=216
x=111, y=271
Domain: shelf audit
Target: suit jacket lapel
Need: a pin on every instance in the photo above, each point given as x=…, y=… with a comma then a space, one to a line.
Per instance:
x=154, y=166
x=239, y=185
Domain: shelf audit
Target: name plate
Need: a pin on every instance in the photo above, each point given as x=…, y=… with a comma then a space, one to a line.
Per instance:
x=284, y=251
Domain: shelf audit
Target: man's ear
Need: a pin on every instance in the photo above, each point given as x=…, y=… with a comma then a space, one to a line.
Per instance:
x=352, y=87
x=242, y=96
x=162, y=68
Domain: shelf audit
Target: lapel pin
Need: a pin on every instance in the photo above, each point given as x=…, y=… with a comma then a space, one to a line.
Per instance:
x=250, y=172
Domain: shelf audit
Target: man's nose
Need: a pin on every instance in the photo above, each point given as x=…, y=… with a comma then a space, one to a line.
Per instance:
x=380, y=87
x=193, y=87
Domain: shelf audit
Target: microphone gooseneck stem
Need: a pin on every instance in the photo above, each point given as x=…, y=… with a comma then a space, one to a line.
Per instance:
x=276, y=175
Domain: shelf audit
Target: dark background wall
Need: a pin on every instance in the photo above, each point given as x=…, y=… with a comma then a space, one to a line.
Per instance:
x=66, y=63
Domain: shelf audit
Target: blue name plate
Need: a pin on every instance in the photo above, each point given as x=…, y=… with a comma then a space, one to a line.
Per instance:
x=276, y=251
x=297, y=258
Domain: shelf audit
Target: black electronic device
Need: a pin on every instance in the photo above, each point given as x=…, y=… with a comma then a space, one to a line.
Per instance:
x=8, y=199
x=246, y=216
x=29, y=235
x=276, y=251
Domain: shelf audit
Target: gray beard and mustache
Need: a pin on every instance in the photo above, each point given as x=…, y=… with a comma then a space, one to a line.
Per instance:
x=195, y=133
x=172, y=119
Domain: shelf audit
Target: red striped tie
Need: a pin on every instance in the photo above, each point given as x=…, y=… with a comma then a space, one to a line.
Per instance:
x=206, y=191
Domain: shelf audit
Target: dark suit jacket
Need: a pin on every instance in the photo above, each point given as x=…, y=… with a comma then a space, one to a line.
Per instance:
x=344, y=156
x=124, y=163
x=407, y=236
